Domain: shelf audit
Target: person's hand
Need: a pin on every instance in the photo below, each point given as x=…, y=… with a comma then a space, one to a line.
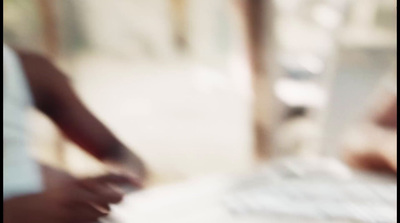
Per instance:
x=373, y=160
x=80, y=201
x=54, y=178
x=125, y=162
x=373, y=148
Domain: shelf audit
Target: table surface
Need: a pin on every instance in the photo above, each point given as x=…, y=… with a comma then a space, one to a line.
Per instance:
x=193, y=201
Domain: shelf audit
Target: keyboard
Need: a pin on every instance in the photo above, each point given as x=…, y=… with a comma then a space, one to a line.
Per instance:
x=313, y=197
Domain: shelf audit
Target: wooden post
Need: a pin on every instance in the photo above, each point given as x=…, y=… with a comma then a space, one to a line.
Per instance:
x=179, y=19
x=258, y=16
x=47, y=11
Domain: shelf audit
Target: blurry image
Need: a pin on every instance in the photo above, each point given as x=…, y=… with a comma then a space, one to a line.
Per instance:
x=228, y=111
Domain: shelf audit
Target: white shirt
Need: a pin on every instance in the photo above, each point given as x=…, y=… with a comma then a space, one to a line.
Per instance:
x=21, y=174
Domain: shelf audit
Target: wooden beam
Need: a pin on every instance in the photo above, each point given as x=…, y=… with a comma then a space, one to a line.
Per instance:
x=47, y=10
x=179, y=20
x=258, y=17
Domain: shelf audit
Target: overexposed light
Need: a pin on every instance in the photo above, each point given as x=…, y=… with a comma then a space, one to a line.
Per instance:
x=208, y=80
x=312, y=64
x=326, y=16
x=300, y=93
x=287, y=5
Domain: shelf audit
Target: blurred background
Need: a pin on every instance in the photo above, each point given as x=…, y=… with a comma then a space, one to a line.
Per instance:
x=202, y=86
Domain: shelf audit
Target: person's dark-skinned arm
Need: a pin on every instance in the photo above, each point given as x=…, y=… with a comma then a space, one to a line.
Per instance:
x=78, y=201
x=54, y=96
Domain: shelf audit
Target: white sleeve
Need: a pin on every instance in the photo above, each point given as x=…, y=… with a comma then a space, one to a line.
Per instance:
x=21, y=174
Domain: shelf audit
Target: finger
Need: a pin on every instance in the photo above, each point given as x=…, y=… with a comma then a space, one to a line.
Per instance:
x=135, y=180
x=86, y=213
x=103, y=207
x=134, y=183
x=100, y=197
x=121, y=183
x=120, y=179
x=109, y=194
